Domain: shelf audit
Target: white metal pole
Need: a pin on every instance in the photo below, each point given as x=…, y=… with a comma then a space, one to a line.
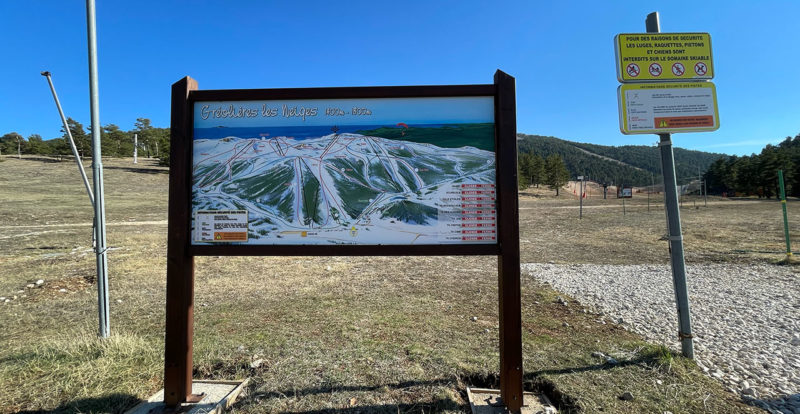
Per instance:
x=97, y=176
x=135, y=148
x=580, y=195
x=69, y=136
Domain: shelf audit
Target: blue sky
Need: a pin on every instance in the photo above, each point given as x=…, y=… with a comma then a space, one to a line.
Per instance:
x=561, y=54
x=456, y=110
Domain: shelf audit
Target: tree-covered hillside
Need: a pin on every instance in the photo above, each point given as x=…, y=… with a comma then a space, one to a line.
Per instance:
x=152, y=141
x=630, y=164
x=688, y=163
x=757, y=174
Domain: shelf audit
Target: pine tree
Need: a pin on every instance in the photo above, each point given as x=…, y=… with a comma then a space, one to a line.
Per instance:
x=82, y=141
x=523, y=169
x=536, y=172
x=556, y=172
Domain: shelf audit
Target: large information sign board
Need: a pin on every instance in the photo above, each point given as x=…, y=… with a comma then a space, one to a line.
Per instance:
x=659, y=108
x=645, y=57
x=386, y=170
x=380, y=171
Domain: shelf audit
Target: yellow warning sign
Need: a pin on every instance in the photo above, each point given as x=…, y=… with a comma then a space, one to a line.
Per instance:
x=231, y=236
x=647, y=57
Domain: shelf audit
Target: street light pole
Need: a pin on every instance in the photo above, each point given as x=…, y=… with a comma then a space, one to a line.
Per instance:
x=69, y=136
x=97, y=176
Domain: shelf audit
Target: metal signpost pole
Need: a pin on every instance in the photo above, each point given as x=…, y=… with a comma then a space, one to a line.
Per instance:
x=699, y=185
x=97, y=176
x=580, y=196
x=785, y=217
x=69, y=135
x=674, y=226
x=135, y=149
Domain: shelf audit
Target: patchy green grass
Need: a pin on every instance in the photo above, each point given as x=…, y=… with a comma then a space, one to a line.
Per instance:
x=368, y=334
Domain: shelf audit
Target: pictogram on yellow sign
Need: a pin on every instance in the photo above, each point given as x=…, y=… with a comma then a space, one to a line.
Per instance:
x=647, y=57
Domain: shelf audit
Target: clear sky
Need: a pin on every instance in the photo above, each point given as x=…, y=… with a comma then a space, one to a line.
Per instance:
x=451, y=110
x=561, y=54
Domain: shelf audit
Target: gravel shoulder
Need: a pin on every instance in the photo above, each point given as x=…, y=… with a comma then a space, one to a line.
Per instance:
x=745, y=318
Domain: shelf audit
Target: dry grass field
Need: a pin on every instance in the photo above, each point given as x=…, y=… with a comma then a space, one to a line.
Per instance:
x=714, y=230
x=336, y=334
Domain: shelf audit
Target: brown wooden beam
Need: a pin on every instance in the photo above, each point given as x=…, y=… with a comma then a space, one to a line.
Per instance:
x=345, y=250
x=180, y=262
x=365, y=92
x=508, y=227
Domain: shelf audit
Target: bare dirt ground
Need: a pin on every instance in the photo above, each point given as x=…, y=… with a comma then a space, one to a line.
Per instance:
x=344, y=334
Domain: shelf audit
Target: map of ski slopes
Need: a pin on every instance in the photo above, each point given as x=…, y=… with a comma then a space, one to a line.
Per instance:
x=384, y=185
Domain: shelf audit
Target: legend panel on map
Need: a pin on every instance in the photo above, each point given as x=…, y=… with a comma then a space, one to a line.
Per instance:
x=470, y=214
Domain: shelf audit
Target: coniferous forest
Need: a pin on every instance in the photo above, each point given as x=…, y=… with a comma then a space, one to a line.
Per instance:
x=543, y=160
x=152, y=141
x=635, y=165
x=757, y=174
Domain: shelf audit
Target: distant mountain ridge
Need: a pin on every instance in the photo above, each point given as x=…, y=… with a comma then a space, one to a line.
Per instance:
x=636, y=165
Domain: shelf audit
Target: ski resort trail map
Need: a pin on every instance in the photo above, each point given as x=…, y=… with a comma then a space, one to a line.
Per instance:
x=341, y=189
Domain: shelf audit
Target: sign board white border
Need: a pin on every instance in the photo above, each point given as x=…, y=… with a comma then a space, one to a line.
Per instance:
x=686, y=107
x=435, y=187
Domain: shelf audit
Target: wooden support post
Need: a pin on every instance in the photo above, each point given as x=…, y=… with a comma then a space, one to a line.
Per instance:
x=508, y=260
x=180, y=262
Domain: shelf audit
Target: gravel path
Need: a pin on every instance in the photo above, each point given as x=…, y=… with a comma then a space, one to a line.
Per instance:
x=745, y=318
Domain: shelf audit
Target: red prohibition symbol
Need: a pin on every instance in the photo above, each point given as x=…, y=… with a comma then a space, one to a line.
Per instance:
x=633, y=70
x=700, y=68
x=655, y=69
x=678, y=69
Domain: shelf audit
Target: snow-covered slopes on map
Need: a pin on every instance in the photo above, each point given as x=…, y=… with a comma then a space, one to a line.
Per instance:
x=339, y=188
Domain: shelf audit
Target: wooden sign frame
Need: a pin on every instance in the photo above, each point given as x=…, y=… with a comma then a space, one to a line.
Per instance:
x=181, y=252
